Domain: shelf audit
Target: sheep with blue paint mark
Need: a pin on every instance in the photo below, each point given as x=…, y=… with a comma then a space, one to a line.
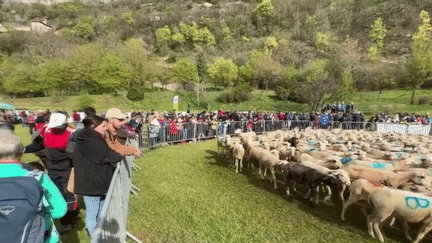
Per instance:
x=409, y=207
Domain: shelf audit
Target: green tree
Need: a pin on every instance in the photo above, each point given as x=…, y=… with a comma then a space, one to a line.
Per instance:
x=223, y=72
x=112, y=74
x=185, y=72
x=134, y=55
x=25, y=80
x=83, y=29
x=316, y=70
x=377, y=34
x=419, y=68
x=246, y=72
x=270, y=44
x=322, y=42
x=381, y=77
x=84, y=62
x=127, y=16
x=57, y=74
x=202, y=68
x=163, y=39
x=263, y=16
x=267, y=71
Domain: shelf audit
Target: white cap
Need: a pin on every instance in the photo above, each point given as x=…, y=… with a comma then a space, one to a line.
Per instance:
x=57, y=120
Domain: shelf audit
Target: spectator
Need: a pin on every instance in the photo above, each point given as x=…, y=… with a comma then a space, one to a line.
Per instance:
x=53, y=203
x=31, y=119
x=58, y=164
x=114, y=120
x=93, y=162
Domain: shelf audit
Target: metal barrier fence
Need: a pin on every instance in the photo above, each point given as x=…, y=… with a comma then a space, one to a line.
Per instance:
x=111, y=225
x=167, y=134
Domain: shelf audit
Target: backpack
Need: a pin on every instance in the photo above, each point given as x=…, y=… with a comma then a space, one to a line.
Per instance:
x=21, y=215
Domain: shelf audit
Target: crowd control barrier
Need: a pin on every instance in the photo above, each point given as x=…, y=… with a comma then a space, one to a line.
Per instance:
x=111, y=225
x=166, y=134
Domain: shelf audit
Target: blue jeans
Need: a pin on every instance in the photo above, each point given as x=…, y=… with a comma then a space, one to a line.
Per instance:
x=94, y=206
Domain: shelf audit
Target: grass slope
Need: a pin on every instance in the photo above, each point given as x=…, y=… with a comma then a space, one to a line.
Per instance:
x=392, y=101
x=190, y=194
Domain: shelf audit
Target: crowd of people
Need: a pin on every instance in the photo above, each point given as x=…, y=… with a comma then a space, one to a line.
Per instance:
x=78, y=162
x=402, y=118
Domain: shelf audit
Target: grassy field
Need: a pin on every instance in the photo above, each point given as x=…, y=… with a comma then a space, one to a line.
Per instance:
x=392, y=101
x=190, y=194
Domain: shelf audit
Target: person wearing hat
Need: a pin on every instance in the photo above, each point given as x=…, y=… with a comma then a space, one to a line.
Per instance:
x=59, y=165
x=114, y=121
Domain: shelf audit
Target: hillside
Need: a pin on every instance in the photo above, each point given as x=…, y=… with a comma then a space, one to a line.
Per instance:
x=323, y=48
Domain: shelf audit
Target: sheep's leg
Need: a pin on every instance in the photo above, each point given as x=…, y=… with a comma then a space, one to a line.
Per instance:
x=363, y=209
x=329, y=193
x=393, y=220
x=265, y=171
x=406, y=229
x=370, y=221
x=236, y=165
x=378, y=222
x=352, y=199
x=315, y=194
x=273, y=176
x=241, y=164
x=426, y=227
x=341, y=193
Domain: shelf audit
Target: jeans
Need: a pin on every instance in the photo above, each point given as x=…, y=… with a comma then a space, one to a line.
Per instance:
x=94, y=206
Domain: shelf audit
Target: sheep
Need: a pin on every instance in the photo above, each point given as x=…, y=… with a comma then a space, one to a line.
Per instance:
x=223, y=143
x=340, y=174
x=384, y=176
x=238, y=155
x=255, y=153
x=359, y=191
x=408, y=207
x=311, y=177
x=271, y=162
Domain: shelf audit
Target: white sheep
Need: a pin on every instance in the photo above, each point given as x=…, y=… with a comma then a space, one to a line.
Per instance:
x=409, y=207
x=238, y=155
x=385, y=177
x=271, y=162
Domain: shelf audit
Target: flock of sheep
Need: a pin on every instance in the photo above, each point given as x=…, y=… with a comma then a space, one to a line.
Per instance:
x=389, y=172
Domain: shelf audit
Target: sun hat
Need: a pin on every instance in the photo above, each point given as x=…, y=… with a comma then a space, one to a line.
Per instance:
x=57, y=120
x=115, y=113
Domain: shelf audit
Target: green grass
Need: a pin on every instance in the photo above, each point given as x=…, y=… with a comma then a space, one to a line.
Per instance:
x=392, y=101
x=190, y=194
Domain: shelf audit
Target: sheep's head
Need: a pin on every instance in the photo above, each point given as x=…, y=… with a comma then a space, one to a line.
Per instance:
x=282, y=166
x=342, y=175
x=333, y=163
x=419, y=179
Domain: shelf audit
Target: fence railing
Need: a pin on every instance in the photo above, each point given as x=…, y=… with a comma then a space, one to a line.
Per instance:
x=111, y=225
x=166, y=134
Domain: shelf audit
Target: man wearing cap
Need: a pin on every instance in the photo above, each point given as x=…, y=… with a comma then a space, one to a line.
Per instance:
x=55, y=138
x=115, y=119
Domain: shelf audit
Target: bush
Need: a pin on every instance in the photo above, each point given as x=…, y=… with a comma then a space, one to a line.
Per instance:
x=85, y=101
x=236, y=95
x=135, y=94
x=423, y=100
x=282, y=93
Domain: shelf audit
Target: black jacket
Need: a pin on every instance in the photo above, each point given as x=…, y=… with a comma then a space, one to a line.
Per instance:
x=94, y=163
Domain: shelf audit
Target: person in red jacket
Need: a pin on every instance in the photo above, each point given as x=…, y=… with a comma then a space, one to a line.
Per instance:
x=55, y=138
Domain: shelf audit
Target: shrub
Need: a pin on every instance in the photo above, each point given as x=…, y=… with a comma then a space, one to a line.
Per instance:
x=85, y=101
x=236, y=95
x=135, y=94
x=423, y=100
